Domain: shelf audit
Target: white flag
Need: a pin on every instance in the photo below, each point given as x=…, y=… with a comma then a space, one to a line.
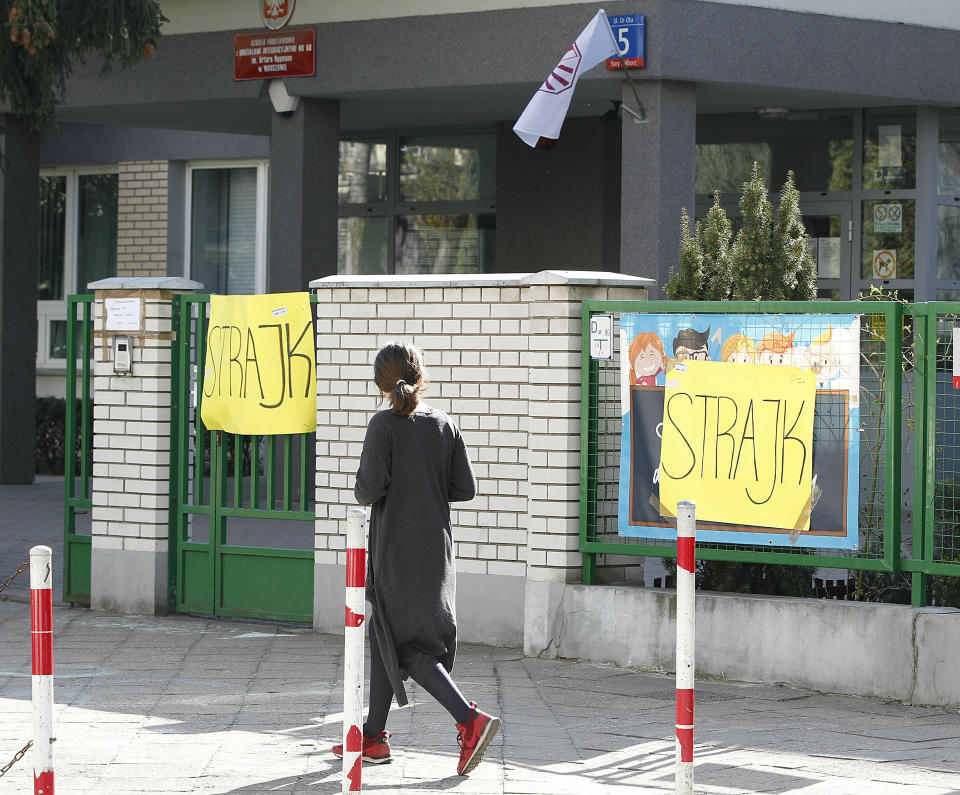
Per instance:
x=543, y=116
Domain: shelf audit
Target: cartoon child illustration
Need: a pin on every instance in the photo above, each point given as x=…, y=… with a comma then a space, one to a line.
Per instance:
x=776, y=348
x=739, y=349
x=824, y=358
x=646, y=358
x=691, y=344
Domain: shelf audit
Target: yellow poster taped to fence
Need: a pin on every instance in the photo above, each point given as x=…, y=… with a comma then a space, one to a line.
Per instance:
x=259, y=376
x=738, y=441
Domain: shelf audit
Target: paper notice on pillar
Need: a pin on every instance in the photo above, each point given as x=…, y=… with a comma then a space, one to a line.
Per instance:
x=259, y=375
x=956, y=364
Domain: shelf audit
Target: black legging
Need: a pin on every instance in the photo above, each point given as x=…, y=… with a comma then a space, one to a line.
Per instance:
x=437, y=683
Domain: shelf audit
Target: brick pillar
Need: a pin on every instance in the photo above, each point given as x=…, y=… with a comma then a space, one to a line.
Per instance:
x=131, y=451
x=553, y=361
x=142, y=218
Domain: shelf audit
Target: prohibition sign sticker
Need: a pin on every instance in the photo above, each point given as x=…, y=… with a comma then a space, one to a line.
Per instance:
x=885, y=264
x=887, y=218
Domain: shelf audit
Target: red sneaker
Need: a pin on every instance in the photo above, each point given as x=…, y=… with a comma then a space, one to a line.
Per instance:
x=474, y=736
x=376, y=750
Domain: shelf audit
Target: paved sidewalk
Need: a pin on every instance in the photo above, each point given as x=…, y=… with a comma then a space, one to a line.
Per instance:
x=182, y=704
x=30, y=515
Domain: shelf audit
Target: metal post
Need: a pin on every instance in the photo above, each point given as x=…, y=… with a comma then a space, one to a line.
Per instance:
x=686, y=586
x=353, y=650
x=41, y=647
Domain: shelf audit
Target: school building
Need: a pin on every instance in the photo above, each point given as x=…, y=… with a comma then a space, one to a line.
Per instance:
x=389, y=150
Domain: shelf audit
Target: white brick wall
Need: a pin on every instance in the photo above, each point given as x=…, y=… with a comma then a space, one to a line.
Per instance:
x=131, y=432
x=142, y=218
x=503, y=359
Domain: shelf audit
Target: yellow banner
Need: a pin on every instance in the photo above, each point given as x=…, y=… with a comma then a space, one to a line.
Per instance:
x=738, y=441
x=259, y=375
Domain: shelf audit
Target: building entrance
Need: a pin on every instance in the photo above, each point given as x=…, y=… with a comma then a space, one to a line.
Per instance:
x=829, y=225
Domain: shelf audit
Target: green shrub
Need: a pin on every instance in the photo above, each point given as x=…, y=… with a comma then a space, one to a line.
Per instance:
x=51, y=436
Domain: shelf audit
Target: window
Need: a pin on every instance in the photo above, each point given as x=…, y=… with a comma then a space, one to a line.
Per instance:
x=890, y=149
x=948, y=206
x=77, y=245
x=227, y=226
x=816, y=144
x=417, y=204
x=887, y=239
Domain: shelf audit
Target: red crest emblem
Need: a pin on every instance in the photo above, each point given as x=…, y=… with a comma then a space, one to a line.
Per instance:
x=276, y=13
x=564, y=73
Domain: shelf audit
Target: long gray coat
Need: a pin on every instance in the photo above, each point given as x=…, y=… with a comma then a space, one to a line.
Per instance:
x=411, y=469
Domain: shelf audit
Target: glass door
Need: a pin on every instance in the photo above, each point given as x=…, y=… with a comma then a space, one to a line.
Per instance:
x=829, y=225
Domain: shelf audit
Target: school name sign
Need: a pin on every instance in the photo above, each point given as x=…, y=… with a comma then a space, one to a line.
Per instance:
x=738, y=441
x=259, y=374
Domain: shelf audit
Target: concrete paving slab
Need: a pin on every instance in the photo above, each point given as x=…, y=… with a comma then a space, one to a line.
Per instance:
x=183, y=704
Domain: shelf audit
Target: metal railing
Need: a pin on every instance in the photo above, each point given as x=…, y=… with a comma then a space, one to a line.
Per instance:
x=78, y=445
x=909, y=444
x=935, y=552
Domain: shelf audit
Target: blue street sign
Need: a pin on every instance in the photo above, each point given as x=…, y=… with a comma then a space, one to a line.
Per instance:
x=629, y=32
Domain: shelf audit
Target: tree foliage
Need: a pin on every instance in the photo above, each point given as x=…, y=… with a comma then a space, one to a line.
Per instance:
x=768, y=259
x=46, y=38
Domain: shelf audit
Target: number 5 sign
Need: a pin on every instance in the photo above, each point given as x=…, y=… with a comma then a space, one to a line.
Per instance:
x=628, y=30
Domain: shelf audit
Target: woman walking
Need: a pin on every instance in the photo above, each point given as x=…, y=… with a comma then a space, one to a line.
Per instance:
x=413, y=465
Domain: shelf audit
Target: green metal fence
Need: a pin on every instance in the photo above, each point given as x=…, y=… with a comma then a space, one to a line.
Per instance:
x=936, y=543
x=909, y=417
x=78, y=443
x=241, y=507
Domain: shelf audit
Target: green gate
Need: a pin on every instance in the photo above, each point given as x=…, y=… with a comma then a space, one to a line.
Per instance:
x=241, y=507
x=78, y=439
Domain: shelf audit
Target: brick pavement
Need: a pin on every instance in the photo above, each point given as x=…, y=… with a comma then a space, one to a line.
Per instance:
x=183, y=704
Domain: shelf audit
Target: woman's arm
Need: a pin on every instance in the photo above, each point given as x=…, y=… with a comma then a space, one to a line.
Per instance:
x=373, y=476
x=463, y=484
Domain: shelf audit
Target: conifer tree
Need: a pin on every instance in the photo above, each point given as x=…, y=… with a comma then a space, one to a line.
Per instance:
x=45, y=38
x=715, y=241
x=751, y=256
x=791, y=257
x=687, y=280
x=704, y=270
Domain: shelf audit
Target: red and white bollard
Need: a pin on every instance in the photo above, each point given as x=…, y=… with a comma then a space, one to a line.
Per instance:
x=686, y=589
x=41, y=648
x=353, y=650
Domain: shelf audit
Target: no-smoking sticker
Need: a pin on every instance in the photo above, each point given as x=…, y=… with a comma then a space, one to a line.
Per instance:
x=888, y=218
x=885, y=264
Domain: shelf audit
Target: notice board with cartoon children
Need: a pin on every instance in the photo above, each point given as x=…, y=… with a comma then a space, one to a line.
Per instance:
x=755, y=417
